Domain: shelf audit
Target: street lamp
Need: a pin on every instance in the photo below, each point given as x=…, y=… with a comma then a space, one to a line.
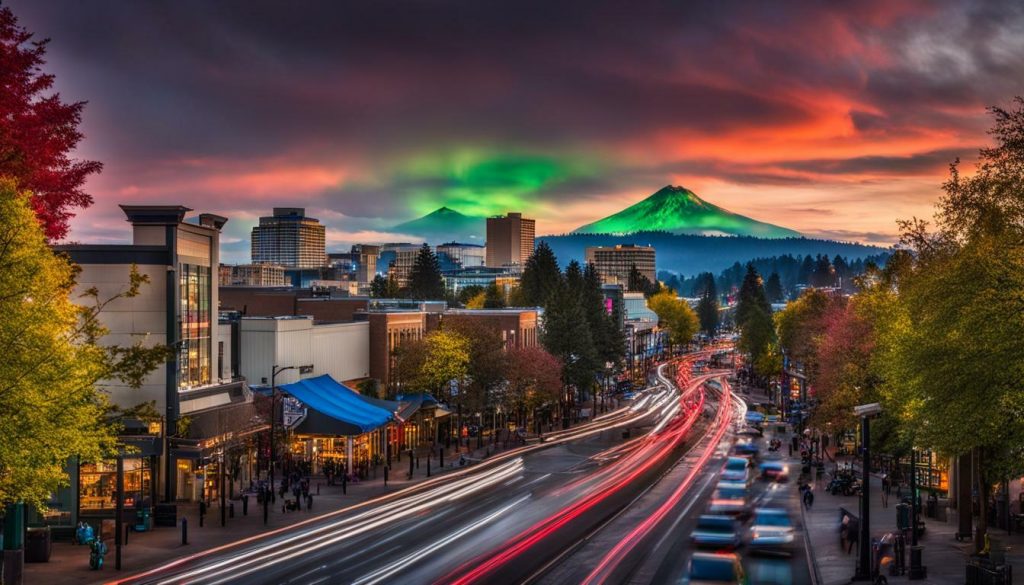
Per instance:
x=865, y=412
x=273, y=427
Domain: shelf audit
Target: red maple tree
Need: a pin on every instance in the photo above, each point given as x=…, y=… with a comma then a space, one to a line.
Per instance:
x=38, y=131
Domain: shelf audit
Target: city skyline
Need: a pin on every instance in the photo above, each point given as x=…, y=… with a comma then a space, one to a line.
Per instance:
x=369, y=117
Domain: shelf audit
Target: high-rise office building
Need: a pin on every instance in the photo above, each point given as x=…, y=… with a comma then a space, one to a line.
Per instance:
x=615, y=263
x=510, y=240
x=367, y=267
x=290, y=239
x=462, y=255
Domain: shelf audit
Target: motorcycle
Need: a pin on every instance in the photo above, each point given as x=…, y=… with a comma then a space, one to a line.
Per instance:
x=97, y=550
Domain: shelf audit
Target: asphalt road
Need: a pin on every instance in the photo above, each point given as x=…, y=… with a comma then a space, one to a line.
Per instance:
x=498, y=522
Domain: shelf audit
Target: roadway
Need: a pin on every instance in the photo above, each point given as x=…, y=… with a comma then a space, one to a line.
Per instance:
x=530, y=514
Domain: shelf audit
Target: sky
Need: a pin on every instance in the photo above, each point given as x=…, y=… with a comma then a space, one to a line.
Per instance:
x=831, y=118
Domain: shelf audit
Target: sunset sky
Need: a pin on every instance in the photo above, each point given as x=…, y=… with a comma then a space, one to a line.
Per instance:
x=831, y=118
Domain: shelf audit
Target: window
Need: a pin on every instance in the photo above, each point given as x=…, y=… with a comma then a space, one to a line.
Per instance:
x=98, y=484
x=194, y=326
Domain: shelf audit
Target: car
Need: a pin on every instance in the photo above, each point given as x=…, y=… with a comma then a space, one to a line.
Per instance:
x=746, y=449
x=772, y=532
x=774, y=471
x=730, y=498
x=715, y=568
x=719, y=532
x=751, y=431
x=736, y=469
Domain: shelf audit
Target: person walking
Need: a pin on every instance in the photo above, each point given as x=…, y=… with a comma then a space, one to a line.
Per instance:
x=808, y=498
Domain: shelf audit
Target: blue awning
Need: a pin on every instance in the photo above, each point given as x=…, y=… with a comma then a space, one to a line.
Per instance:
x=329, y=397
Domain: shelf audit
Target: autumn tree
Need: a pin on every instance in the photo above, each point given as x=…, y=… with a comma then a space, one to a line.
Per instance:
x=54, y=360
x=534, y=381
x=675, y=315
x=39, y=131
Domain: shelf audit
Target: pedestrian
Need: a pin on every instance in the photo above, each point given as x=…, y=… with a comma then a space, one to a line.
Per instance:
x=844, y=531
x=852, y=536
x=808, y=498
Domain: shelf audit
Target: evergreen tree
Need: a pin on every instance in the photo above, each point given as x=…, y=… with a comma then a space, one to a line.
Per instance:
x=824, y=274
x=425, y=281
x=541, y=276
x=567, y=336
x=574, y=278
x=494, y=298
x=382, y=287
x=751, y=297
x=638, y=282
x=608, y=338
x=773, y=288
x=806, y=271
x=707, y=308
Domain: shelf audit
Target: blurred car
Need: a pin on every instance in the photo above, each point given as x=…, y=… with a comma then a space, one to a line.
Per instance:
x=736, y=469
x=730, y=498
x=774, y=471
x=771, y=531
x=746, y=449
x=715, y=568
x=750, y=431
x=717, y=531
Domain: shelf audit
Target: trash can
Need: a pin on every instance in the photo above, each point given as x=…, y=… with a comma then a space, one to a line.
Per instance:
x=38, y=545
x=142, y=519
x=903, y=516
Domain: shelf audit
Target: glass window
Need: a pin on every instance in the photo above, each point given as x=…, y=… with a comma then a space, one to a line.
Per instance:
x=194, y=324
x=98, y=484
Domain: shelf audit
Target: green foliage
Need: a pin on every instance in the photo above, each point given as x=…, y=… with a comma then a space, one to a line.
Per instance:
x=541, y=277
x=382, y=287
x=676, y=316
x=51, y=408
x=446, y=358
x=638, y=282
x=707, y=308
x=369, y=387
x=469, y=292
x=494, y=298
x=567, y=336
x=425, y=281
x=773, y=288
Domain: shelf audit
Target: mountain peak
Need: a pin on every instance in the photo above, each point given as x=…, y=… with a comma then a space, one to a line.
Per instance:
x=443, y=224
x=678, y=210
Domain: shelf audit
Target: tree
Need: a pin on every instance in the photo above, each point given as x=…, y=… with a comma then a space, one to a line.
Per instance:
x=487, y=366
x=638, y=282
x=773, y=288
x=53, y=360
x=470, y=292
x=566, y=335
x=433, y=362
x=676, y=316
x=800, y=327
x=540, y=277
x=425, y=281
x=609, y=340
x=38, y=131
x=384, y=287
x=707, y=308
x=751, y=297
x=806, y=271
x=494, y=298
x=534, y=380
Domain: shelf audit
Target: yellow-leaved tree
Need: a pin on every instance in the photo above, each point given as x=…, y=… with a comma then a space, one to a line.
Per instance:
x=50, y=407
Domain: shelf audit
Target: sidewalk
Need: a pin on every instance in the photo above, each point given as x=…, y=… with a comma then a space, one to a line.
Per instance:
x=944, y=557
x=69, y=564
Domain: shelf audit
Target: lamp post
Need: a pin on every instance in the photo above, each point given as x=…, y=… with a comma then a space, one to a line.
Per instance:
x=273, y=428
x=865, y=412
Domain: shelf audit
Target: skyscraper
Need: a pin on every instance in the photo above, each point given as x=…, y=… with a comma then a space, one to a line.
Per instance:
x=510, y=240
x=290, y=239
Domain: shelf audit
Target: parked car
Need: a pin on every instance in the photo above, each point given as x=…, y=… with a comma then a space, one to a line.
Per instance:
x=719, y=532
x=730, y=498
x=715, y=569
x=776, y=471
x=771, y=531
x=736, y=469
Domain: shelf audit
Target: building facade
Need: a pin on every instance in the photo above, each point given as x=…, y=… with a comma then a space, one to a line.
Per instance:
x=176, y=308
x=462, y=255
x=252, y=275
x=510, y=240
x=339, y=349
x=615, y=263
x=290, y=239
x=517, y=327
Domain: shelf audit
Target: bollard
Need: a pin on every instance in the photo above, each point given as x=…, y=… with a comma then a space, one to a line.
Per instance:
x=202, y=512
x=184, y=530
x=386, y=467
x=245, y=505
x=231, y=510
x=417, y=462
x=440, y=456
x=411, y=463
x=428, y=466
x=344, y=484
x=127, y=529
x=318, y=488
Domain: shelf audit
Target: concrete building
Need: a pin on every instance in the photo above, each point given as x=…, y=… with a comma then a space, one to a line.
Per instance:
x=367, y=262
x=177, y=308
x=339, y=349
x=462, y=255
x=615, y=263
x=290, y=239
x=400, y=269
x=510, y=240
x=252, y=275
x=456, y=280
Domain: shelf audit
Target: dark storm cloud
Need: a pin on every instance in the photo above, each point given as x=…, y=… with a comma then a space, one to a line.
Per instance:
x=916, y=164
